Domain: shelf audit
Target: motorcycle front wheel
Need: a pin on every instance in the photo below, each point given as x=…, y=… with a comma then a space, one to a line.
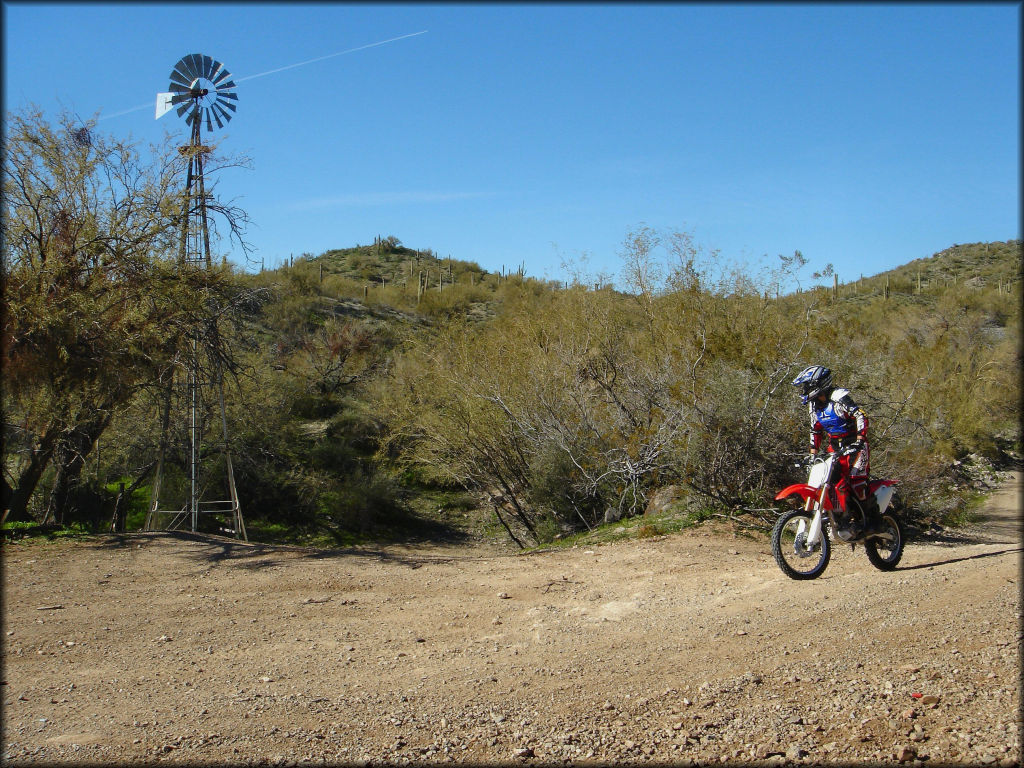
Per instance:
x=885, y=548
x=789, y=546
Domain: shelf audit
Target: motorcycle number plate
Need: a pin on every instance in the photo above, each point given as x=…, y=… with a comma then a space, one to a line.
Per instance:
x=816, y=477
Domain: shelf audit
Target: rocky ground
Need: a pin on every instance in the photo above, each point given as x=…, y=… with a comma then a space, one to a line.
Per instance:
x=688, y=648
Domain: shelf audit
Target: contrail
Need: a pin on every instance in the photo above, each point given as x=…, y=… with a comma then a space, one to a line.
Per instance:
x=329, y=56
x=149, y=104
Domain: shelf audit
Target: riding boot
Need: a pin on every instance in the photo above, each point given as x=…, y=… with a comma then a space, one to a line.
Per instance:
x=854, y=520
x=872, y=514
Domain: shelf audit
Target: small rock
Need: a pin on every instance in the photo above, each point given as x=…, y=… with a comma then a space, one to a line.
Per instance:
x=164, y=639
x=503, y=596
x=928, y=700
x=905, y=754
x=523, y=753
x=795, y=752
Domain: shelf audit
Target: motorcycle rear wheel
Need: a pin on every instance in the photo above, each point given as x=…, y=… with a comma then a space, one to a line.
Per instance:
x=885, y=553
x=789, y=546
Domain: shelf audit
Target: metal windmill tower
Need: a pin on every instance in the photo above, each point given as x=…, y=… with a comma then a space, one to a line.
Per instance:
x=202, y=92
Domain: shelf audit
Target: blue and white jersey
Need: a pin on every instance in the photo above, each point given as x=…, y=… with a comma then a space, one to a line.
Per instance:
x=840, y=418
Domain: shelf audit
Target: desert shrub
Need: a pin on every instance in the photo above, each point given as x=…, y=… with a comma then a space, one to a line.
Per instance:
x=574, y=405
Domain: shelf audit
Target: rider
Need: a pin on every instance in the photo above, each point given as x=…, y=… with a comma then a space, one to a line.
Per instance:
x=835, y=414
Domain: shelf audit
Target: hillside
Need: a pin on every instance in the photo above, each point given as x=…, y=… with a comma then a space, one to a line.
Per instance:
x=411, y=298
x=381, y=393
x=366, y=272
x=995, y=265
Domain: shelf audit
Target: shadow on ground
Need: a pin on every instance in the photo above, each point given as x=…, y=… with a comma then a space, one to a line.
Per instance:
x=952, y=560
x=254, y=555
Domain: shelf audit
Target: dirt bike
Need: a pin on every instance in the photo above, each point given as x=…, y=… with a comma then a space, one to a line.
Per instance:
x=802, y=538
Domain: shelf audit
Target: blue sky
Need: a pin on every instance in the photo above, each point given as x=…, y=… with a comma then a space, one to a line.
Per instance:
x=863, y=135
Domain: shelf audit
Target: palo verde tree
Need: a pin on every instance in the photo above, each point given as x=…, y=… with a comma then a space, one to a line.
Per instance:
x=94, y=304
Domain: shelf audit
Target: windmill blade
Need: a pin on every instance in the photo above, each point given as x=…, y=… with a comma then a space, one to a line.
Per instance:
x=227, y=95
x=183, y=81
x=227, y=104
x=221, y=76
x=209, y=123
x=186, y=68
x=216, y=118
x=196, y=60
x=208, y=67
x=181, y=71
x=219, y=110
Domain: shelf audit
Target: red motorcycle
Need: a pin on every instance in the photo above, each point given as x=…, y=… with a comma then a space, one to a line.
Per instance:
x=802, y=537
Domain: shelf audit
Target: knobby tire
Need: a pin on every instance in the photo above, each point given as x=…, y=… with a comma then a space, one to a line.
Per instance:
x=823, y=553
x=886, y=562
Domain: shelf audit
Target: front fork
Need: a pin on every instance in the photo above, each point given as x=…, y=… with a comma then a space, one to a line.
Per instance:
x=814, y=532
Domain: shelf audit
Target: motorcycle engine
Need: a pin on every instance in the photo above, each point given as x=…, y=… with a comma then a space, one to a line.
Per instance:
x=846, y=534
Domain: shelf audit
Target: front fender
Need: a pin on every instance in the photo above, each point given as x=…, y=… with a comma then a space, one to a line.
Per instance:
x=803, y=490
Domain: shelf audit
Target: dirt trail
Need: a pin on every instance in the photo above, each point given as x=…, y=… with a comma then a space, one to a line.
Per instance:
x=1001, y=515
x=692, y=647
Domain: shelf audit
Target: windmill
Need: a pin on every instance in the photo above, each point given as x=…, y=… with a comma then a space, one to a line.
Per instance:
x=202, y=92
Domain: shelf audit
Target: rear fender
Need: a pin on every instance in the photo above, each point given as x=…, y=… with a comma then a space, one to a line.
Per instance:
x=874, y=485
x=883, y=491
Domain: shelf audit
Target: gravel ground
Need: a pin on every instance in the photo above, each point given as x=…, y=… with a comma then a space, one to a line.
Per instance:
x=690, y=648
